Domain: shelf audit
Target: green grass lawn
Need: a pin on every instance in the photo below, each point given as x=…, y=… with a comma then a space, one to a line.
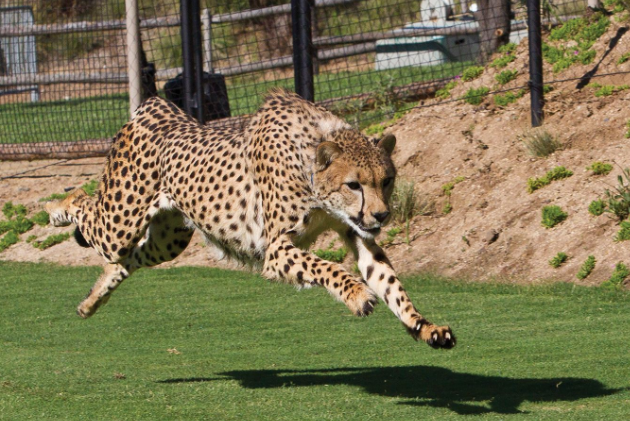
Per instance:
x=242, y=348
x=102, y=117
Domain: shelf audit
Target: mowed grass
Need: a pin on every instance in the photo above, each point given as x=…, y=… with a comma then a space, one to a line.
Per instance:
x=205, y=344
x=102, y=117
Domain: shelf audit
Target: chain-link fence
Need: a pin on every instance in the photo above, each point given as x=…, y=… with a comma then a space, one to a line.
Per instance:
x=66, y=66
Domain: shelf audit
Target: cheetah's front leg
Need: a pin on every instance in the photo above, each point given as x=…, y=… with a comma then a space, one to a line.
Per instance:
x=380, y=276
x=285, y=261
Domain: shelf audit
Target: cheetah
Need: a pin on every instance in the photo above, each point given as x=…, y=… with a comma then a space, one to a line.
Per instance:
x=261, y=195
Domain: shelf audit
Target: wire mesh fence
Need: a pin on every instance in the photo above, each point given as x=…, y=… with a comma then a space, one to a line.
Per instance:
x=65, y=68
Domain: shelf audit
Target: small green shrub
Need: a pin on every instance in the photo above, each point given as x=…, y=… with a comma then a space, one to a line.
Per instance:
x=607, y=90
x=506, y=76
x=503, y=61
x=552, y=216
x=586, y=268
x=403, y=201
x=541, y=143
x=10, y=210
x=558, y=260
x=41, y=218
x=618, y=201
x=391, y=235
x=600, y=168
x=8, y=240
x=624, y=232
x=597, y=207
x=471, y=73
x=331, y=255
x=627, y=134
x=445, y=92
x=558, y=173
x=31, y=238
x=447, y=188
x=508, y=48
x=624, y=57
x=51, y=240
x=476, y=96
x=448, y=208
x=508, y=98
x=617, y=278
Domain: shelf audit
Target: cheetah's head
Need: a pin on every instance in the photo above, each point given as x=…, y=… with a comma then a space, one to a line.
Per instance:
x=354, y=178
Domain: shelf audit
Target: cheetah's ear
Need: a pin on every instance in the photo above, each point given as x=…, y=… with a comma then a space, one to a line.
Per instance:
x=387, y=142
x=326, y=153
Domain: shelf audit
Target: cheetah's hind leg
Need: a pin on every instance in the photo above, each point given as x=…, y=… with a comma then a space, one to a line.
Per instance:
x=165, y=238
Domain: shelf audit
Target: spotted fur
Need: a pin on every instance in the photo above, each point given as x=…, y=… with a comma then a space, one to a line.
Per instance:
x=261, y=195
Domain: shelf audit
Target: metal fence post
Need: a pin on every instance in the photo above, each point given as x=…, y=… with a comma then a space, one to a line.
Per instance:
x=303, y=48
x=187, y=55
x=195, y=16
x=134, y=66
x=535, y=62
x=206, y=29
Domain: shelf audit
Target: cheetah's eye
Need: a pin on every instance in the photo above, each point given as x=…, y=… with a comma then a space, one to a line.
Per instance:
x=353, y=185
x=387, y=182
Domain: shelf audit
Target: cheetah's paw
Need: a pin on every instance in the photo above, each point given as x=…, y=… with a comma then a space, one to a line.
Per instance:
x=435, y=336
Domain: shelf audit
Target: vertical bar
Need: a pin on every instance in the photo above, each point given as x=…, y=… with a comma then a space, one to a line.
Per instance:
x=206, y=23
x=134, y=67
x=195, y=16
x=187, y=55
x=302, y=48
x=535, y=62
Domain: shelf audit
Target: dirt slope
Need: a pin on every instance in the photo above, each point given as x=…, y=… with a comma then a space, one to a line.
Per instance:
x=494, y=230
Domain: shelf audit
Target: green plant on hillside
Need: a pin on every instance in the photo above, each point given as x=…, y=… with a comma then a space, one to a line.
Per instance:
x=618, y=200
x=597, y=207
x=617, y=278
x=445, y=92
x=506, y=76
x=41, y=218
x=51, y=240
x=8, y=240
x=586, y=268
x=584, y=32
x=475, y=96
x=558, y=173
x=552, y=216
x=331, y=254
x=540, y=143
x=390, y=236
x=607, y=90
x=508, y=98
x=9, y=210
x=600, y=168
x=508, y=48
x=558, y=260
x=624, y=232
x=471, y=73
x=404, y=204
x=17, y=221
x=624, y=57
x=447, y=188
x=617, y=6
x=503, y=61
x=627, y=134
x=447, y=208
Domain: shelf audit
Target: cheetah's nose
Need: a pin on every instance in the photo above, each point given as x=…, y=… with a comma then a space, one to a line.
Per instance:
x=381, y=216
